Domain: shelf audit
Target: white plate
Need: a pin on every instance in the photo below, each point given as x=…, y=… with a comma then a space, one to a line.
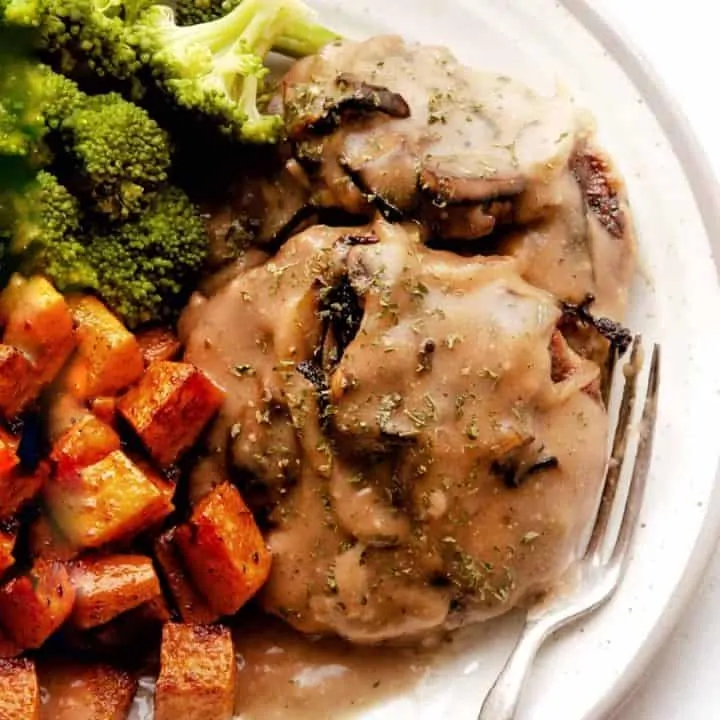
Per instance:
x=588, y=670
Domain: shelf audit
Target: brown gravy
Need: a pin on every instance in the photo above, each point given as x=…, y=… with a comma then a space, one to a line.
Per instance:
x=284, y=674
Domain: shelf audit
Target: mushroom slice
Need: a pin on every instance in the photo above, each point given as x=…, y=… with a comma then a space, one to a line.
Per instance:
x=322, y=116
x=600, y=187
x=467, y=189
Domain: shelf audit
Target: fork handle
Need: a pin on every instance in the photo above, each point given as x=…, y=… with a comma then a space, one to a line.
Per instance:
x=502, y=700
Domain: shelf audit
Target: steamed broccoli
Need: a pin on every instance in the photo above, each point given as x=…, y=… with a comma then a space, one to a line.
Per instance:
x=299, y=40
x=214, y=71
x=108, y=150
x=117, y=154
x=143, y=266
x=140, y=268
x=48, y=235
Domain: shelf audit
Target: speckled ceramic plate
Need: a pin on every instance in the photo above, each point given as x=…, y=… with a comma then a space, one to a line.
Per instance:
x=588, y=670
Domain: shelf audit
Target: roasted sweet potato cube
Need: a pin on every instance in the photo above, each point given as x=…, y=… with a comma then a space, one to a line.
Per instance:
x=108, y=586
x=223, y=550
x=8, y=647
x=105, y=409
x=34, y=605
x=84, y=443
x=189, y=602
x=39, y=324
x=197, y=673
x=158, y=343
x=108, y=351
x=8, y=537
x=8, y=452
x=16, y=385
x=81, y=691
x=170, y=407
x=46, y=542
x=108, y=501
x=19, y=691
x=18, y=487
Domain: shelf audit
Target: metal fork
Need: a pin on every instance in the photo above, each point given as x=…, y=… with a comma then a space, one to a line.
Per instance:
x=601, y=570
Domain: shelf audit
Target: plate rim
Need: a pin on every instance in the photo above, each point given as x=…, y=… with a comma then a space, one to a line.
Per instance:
x=705, y=188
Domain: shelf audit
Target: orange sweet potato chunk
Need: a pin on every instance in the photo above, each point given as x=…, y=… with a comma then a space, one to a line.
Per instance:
x=34, y=605
x=80, y=691
x=18, y=487
x=8, y=452
x=197, y=673
x=158, y=343
x=16, y=373
x=105, y=502
x=19, y=691
x=84, y=443
x=170, y=407
x=39, y=324
x=223, y=550
x=108, y=353
x=190, y=604
x=8, y=537
x=46, y=542
x=108, y=586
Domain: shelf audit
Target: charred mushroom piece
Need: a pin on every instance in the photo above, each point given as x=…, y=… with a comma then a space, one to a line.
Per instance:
x=522, y=462
x=600, y=189
x=615, y=333
x=356, y=96
x=468, y=190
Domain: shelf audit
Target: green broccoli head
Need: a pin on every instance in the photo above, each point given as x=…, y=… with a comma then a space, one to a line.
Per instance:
x=217, y=69
x=47, y=235
x=22, y=97
x=194, y=12
x=80, y=37
x=118, y=156
x=144, y=266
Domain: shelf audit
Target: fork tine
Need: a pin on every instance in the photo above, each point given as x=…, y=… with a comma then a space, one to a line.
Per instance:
x=617, y=455
x=641, y=468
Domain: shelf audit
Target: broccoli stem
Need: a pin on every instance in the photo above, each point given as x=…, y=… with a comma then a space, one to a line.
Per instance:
x=303, y=39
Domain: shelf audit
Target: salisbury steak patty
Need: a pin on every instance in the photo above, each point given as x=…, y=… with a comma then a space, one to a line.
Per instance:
x=430, y=448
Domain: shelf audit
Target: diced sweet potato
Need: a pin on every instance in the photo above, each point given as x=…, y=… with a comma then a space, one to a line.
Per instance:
x=39, y=324
x=46, y=542
x=189, y=602
x=197, y=673
x=80, y=691
x=8, y=647
x=158, y=343
x=108, y=586
x=170, y=407
x=86, y=442
x=107, y=351
x=223, y=550
x=105, y=409
x=19, y=691
x=8, y=452
x=18, y=487
x=8, y=537
x=16, y=373
x=34, y=605
x=108, y=501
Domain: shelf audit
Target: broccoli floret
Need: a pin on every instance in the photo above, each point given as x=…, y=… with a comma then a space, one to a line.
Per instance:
x=145, y=265
x=108, y=151
x=214, y=70
x=47, y=235
x=79, y=37
x=116, y=154
x=302, y=38
x=22, y=96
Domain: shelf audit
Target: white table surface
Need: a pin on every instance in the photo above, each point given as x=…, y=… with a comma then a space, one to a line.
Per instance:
x=681, y=40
